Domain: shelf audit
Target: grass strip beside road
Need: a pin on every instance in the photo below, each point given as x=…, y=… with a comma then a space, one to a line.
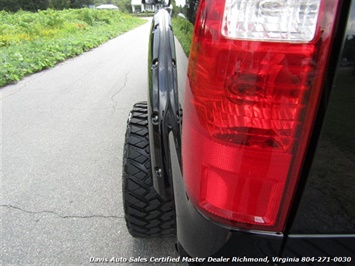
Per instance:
x=183, y=30
x=30, y=42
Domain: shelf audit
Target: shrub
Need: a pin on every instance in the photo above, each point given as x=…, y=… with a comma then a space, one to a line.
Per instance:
x=183, y=30
x=30, y=42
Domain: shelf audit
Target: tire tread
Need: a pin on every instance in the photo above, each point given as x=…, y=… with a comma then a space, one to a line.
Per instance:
x=146, y=213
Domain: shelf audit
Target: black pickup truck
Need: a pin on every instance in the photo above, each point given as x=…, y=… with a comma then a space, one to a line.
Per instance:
x=256, y=163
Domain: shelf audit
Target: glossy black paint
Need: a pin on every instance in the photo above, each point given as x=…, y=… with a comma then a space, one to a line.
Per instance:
x=322, y=218
x=324, y=222
x=324, y=182
x=163, y=104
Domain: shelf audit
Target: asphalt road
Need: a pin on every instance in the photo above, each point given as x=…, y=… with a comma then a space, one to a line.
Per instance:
x=62, y=139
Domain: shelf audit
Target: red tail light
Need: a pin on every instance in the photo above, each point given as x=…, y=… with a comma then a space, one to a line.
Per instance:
x=252, y=93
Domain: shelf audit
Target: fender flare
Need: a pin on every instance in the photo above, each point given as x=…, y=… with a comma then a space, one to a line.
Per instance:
x=164, y=112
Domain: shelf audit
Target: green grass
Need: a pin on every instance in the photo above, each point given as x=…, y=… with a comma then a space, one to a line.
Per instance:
x=183, y=30
x=30, y=42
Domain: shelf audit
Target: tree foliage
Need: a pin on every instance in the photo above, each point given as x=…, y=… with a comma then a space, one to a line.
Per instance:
x=123, y=5
x=189, y=9
x=176, y=9
x=35, y=5
x=59, y=4
x=192, y=6
x=80, y=3
x=10, y=5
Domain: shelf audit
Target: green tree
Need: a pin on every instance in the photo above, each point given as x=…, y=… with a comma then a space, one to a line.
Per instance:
x=125, y=6
x=41, y=4
x=192, y=6
x=59, y=4
x=29, y=5
x=175, y=10
x=34, y=5
x=80, y=3
x=10, y=5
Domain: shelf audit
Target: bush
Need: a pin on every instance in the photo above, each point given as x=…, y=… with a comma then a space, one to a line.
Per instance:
x=30, y=42
x=183, y=30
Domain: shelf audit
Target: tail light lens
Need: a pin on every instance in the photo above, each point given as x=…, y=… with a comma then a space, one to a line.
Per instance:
x=271, y=20
x=254, y=81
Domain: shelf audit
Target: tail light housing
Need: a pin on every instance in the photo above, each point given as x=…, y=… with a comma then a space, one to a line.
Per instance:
x=255, y=76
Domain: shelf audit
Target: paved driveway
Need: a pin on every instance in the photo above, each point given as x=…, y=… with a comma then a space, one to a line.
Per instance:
x=62, y=139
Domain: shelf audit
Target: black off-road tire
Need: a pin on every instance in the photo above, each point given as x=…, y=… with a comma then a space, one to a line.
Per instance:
x=146, y=213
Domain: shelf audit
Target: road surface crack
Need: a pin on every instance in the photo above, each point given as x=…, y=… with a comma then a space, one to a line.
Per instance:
x=115, y=102
x=17, y=91
x=59, y=215
x=24, y=85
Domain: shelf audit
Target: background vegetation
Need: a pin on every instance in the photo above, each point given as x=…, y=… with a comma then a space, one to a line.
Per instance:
x=123, y=5
x=30, y=42
x=189, y=9
x=35, y=5
x=183, y=30
x=37, y=34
